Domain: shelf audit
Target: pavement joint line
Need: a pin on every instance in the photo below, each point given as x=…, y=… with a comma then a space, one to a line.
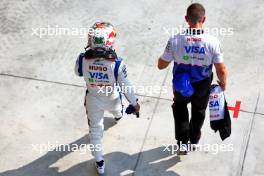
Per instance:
x=149, y=125
x=250, y=112
x=247, y=140
x=41, y=80
x=68, y=84
x=80, y=86
x=153, y=115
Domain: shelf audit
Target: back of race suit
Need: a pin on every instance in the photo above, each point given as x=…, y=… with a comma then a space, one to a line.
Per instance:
x=104, y=77
x=193, y=52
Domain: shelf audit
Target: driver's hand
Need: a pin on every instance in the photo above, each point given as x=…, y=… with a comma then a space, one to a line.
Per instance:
x=137, y=108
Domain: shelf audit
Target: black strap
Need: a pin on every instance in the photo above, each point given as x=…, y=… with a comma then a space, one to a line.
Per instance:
x=100, y=53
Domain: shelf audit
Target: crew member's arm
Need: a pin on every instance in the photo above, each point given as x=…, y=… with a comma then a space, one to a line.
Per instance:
x=220, y=67
x=162, y=64
x=167, y=56
x=129, y=88
x=79, y=65
x=221, y=72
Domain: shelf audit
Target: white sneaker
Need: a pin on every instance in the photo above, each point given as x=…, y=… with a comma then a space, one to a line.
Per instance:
x=100, y=166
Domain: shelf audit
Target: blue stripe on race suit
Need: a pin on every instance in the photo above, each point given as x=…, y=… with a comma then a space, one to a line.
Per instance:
x=80, y=68
x=117, y=65
x=121, y=99
x=197, y=73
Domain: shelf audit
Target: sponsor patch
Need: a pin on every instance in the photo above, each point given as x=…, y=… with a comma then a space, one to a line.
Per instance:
x=168, y=47
x=124, y=70
x=98, y=76
x=194, y=50
x=186, y=57
x=97, y=68
x=191, y=39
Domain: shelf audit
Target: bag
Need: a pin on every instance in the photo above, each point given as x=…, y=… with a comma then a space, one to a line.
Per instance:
x=182, y=84
x=219, y=115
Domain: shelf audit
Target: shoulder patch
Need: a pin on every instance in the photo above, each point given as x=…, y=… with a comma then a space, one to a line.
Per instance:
x=168, y=46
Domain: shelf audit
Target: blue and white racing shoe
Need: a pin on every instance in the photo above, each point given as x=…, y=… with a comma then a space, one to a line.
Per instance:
x=100, y=167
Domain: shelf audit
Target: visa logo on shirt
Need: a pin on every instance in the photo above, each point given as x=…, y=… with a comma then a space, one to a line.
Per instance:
x=213, y=103
x=98, y=76
x=194, y=49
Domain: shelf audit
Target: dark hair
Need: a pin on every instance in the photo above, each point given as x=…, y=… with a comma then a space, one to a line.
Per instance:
x=195, y=12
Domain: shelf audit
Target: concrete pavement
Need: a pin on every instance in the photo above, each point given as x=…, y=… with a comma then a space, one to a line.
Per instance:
x=41, y=98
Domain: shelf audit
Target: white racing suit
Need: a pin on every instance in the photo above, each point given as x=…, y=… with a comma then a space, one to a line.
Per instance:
x=101, y=77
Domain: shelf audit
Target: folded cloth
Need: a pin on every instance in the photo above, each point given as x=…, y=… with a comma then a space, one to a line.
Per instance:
x=219, y=115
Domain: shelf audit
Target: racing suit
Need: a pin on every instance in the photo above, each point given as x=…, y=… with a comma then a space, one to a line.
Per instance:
x=193, y=52
x=103, y=78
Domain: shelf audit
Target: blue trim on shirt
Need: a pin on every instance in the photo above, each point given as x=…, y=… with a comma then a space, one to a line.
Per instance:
x=197, y=73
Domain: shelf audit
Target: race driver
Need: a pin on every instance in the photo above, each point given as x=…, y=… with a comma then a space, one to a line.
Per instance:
x=104, y=74
x=194, y=53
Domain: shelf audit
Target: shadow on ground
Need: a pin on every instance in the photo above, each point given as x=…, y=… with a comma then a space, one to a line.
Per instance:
x=118, y=163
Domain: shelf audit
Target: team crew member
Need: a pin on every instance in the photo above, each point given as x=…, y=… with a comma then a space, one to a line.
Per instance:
x=103, y=73
x=194, y=53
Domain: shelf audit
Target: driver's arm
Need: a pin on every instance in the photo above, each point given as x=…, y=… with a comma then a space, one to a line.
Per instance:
x=78, y=70
x=125, y=83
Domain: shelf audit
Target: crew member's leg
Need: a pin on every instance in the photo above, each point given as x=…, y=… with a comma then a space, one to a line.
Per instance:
x=181, y=118
x=199, y=103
